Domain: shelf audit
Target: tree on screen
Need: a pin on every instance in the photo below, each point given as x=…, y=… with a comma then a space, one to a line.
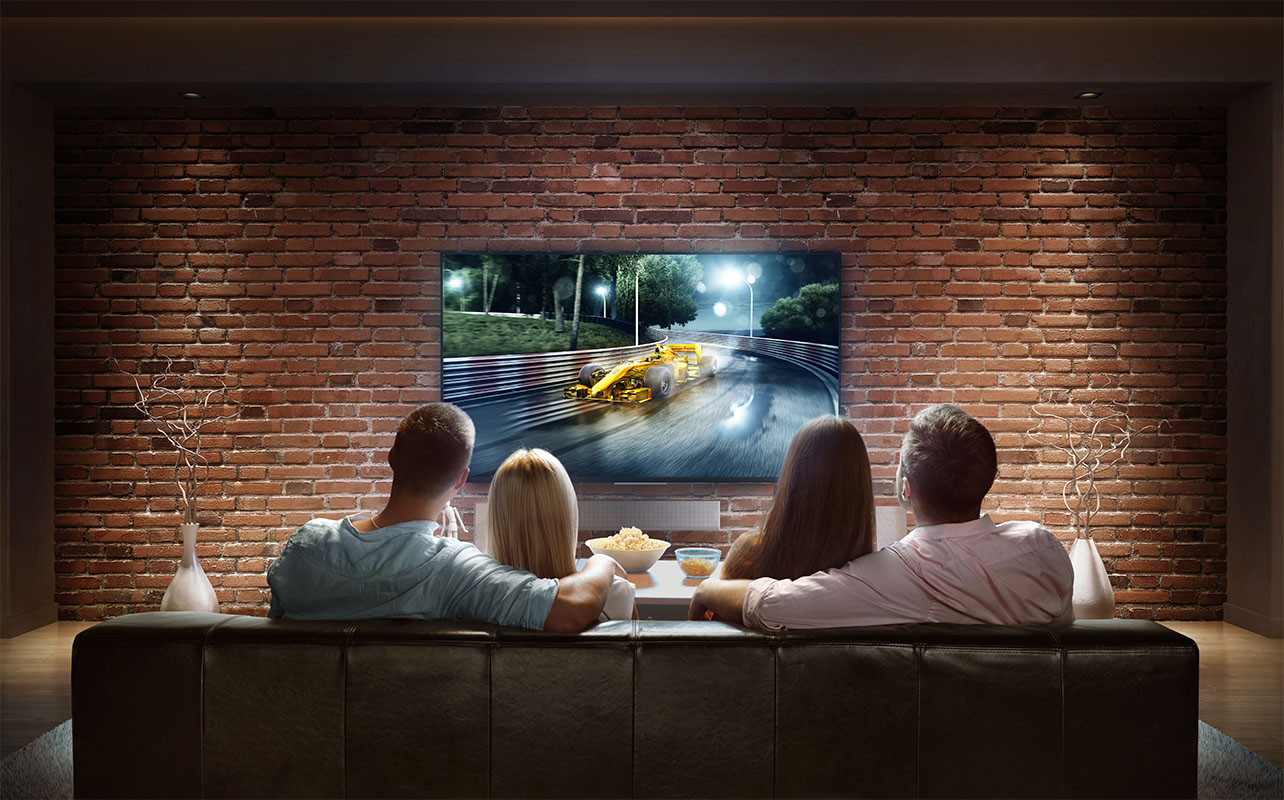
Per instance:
x=812, y=316
x=667, y=287
x=493, y=268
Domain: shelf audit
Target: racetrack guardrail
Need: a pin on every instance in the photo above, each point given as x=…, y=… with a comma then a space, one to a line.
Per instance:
x=473, y=379
x=480, y=378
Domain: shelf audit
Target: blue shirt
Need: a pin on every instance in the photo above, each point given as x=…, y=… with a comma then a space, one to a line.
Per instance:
x=330, y=570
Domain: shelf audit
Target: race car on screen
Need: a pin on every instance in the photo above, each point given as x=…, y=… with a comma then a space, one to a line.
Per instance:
x=651, y=377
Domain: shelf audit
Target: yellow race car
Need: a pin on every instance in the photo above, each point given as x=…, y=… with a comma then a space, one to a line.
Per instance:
x=651, y=377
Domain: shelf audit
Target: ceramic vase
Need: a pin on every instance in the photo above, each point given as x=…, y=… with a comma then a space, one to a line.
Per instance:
x=189, y=590
x=1093, y=596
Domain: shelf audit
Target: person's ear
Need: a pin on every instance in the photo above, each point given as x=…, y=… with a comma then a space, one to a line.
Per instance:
x=459, y=482
x=903, y=489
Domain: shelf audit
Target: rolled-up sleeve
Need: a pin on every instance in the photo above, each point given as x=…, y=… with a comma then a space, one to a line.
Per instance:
x=877, y=589
x=754, y=597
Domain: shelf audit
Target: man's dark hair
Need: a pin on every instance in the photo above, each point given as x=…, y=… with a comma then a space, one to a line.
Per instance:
x=433, y=446
x=950, y=461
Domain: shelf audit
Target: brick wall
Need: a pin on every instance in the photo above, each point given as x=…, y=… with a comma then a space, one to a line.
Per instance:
x=993, y=257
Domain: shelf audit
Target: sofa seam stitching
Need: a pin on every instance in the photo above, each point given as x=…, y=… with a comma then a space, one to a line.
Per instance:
x=633, y=708
x=1061, y=667
x=775, y=720
x=491, y=644
x=200, y=743
x=918, y=714
x=343, y=657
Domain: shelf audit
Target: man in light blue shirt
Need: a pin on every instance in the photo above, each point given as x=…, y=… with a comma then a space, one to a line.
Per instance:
x=392, y=564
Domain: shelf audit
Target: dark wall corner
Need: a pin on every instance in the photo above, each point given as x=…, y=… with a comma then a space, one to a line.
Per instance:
x=1255, y=365
x=26, y=362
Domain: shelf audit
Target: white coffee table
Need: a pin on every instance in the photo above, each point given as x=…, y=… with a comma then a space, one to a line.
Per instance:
x=664, y=592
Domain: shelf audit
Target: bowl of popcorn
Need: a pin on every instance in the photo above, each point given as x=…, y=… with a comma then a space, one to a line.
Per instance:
x=697, y=562
x=633, y=549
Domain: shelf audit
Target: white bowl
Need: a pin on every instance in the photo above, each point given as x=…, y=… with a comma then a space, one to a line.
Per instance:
x=631, y=560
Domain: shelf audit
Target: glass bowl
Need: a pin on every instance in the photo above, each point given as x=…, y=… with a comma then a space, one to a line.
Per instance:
x=698, y=562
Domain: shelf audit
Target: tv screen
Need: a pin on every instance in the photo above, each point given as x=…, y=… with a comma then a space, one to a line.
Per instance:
x=641, y=368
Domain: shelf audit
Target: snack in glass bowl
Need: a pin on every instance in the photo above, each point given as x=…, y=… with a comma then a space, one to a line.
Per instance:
x=698, y=562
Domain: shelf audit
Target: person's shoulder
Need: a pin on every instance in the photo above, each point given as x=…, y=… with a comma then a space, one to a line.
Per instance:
x=1022, y=526
x=1034, y=533
x=315, y=531
x=735, y=562
x=311, y=544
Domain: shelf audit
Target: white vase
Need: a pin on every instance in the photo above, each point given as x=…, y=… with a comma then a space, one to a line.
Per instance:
x=189, y=590
x=1093, y=596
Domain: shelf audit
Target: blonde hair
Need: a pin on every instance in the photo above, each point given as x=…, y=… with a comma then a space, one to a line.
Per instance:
x=534, y=518
x=822, y=515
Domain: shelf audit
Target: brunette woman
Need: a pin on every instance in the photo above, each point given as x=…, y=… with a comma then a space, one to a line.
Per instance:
x=822, y=515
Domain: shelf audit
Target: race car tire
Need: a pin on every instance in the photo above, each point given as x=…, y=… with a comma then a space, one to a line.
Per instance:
x=660, y=381
x=709, y=366
x=586, y=374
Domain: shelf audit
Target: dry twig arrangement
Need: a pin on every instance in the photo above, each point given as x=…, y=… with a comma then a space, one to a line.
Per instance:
x=182, y=416
x=1094, y=442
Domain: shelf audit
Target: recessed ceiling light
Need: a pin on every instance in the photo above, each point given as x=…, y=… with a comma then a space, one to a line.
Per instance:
x=191, y=95
x=1088, y=95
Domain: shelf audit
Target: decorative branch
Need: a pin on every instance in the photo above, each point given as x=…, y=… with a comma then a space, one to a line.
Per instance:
x=181, y=416
x=1094, y=441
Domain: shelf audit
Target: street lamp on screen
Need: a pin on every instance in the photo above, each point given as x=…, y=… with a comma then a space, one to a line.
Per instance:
x=457, y=283
x=733, y=277
x=601, y=291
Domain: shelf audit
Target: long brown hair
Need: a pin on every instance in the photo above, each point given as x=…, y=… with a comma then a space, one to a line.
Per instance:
x=822, y=515
x=534, y=519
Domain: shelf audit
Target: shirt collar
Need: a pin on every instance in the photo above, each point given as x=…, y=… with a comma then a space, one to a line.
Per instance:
x=983, y=524
x=413, y=526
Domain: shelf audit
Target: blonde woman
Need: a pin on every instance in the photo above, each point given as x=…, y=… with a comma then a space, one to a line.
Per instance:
x=534, y=523
x=822, y=515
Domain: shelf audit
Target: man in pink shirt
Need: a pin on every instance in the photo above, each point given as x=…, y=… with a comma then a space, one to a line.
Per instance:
x=955, y=566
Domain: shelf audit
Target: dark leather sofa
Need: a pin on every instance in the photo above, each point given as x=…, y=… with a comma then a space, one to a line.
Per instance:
x=205, y=705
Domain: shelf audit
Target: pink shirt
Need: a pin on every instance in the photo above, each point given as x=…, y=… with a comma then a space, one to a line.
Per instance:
x=970, y=572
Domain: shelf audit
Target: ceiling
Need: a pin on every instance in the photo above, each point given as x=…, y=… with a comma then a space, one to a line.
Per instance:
x=340, y=52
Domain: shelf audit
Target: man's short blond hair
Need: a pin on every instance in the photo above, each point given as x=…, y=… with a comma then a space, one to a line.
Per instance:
x=433, y=447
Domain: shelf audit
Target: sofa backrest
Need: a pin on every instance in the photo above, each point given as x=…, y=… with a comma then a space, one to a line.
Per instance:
x=207, y=705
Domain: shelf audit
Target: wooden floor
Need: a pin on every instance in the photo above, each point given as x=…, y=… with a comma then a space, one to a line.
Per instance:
x=1241, y=684
x=35, y=682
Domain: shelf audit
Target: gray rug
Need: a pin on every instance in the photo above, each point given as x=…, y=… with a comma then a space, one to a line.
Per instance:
x=1227, y=769
x=40, y=770
x=1230, y=771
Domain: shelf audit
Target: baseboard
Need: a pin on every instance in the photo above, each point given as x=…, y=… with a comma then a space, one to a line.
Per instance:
x=19, y=624
x=1249, y=620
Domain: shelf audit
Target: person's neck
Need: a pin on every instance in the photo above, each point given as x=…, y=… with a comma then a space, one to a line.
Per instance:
x=403, y=507
x=924, y=518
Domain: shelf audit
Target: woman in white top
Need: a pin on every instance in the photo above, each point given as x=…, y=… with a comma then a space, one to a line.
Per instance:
x=534, y=523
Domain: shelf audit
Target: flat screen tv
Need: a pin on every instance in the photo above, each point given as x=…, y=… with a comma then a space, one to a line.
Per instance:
x=641, y=368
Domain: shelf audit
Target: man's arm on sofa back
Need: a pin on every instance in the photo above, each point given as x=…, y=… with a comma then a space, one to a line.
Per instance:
x=581, y=596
